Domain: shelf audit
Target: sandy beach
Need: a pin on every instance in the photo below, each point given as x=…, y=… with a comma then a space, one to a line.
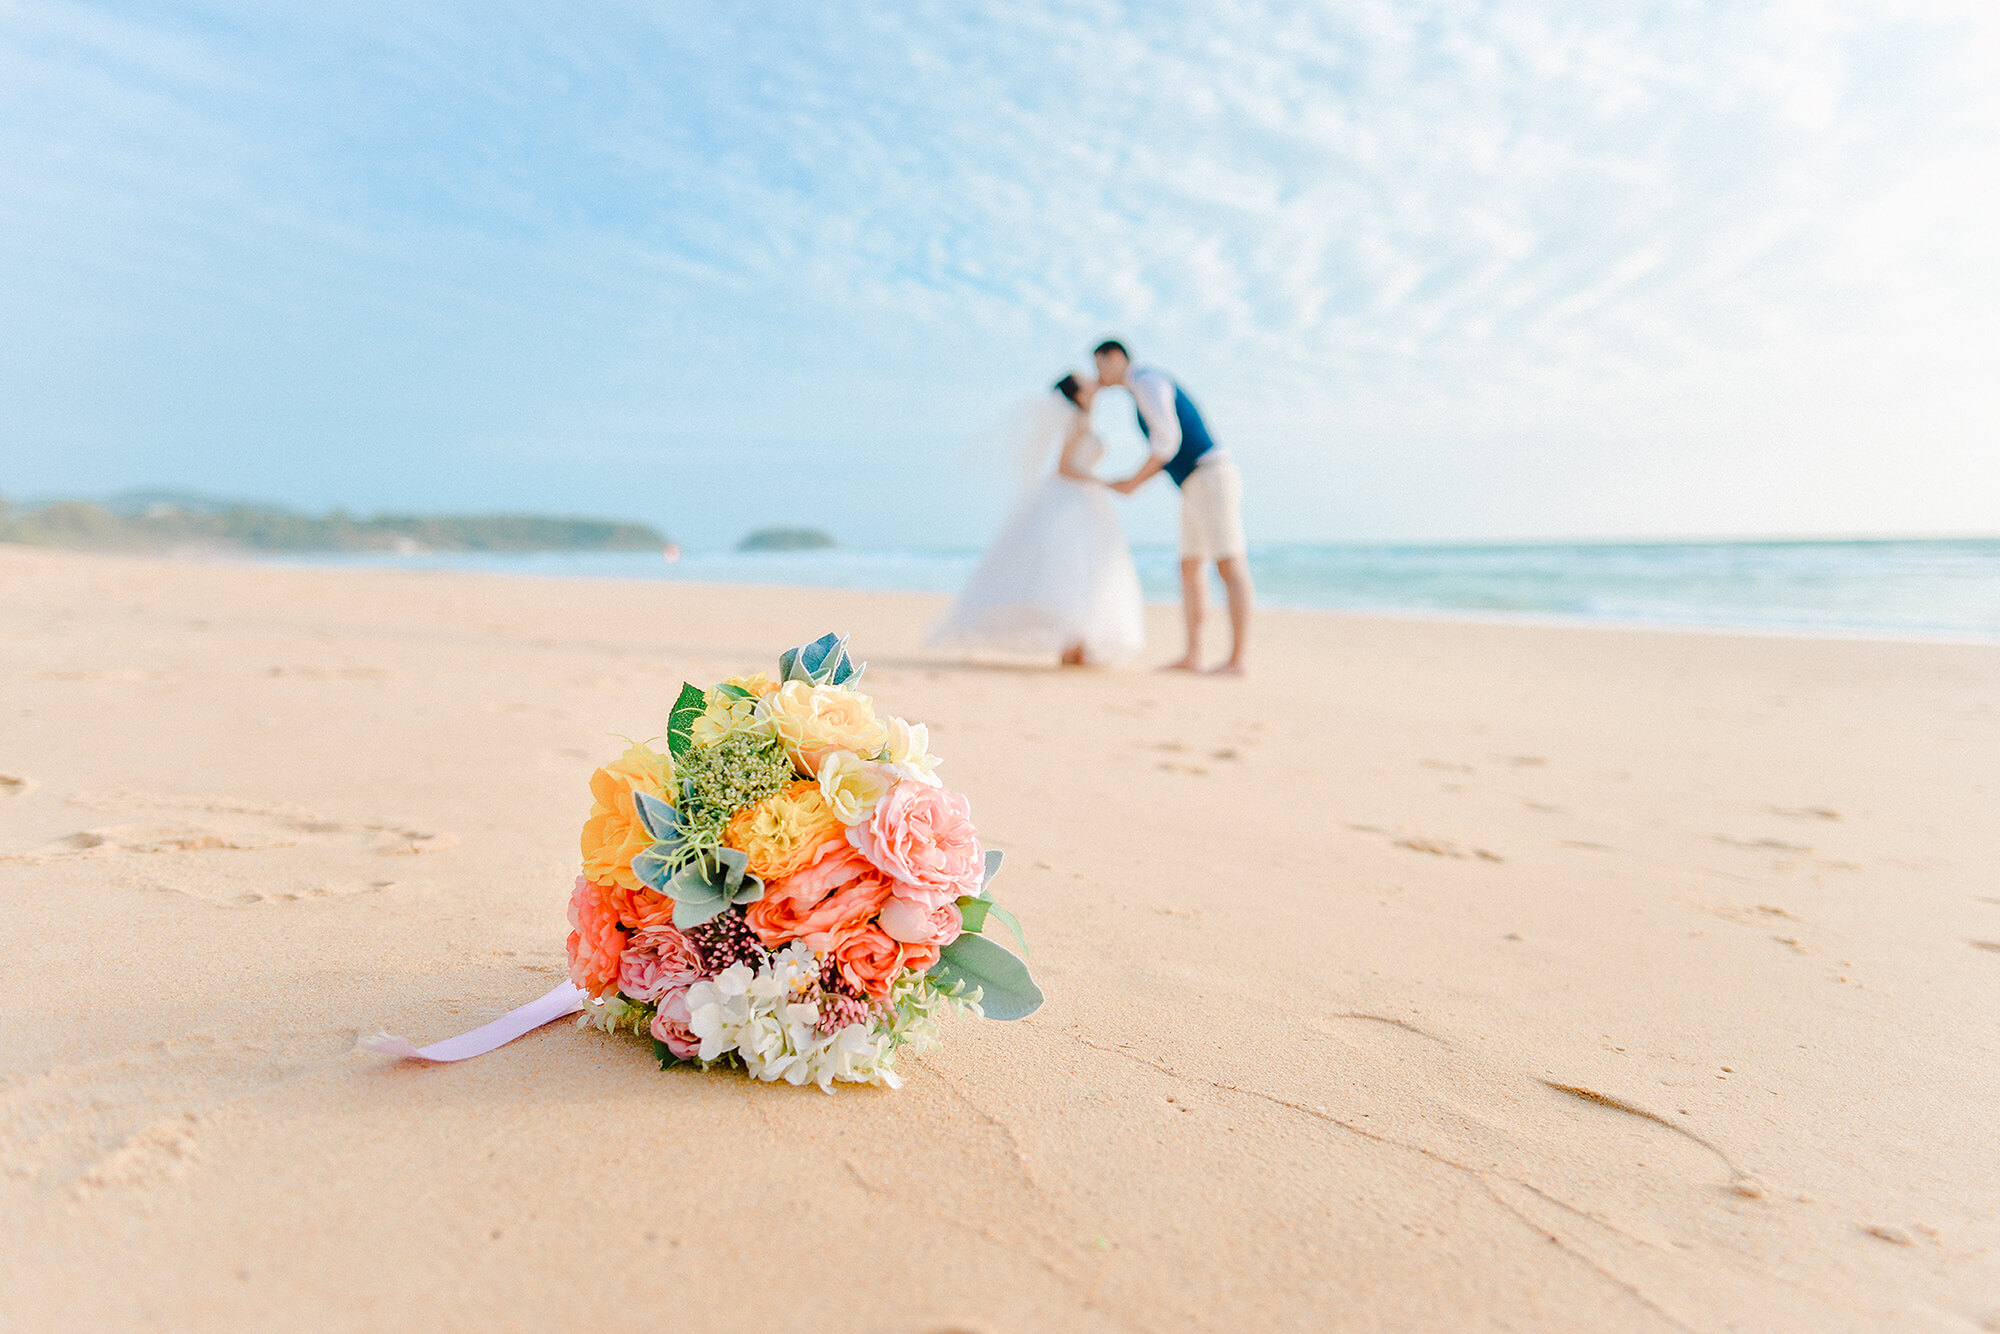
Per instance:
x=1444, y=976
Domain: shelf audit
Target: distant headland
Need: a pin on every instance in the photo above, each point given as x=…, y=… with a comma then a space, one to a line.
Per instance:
x=167, y=521
x=787, y=539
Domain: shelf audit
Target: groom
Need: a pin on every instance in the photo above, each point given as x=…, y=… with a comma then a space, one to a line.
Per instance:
x=1211, y=498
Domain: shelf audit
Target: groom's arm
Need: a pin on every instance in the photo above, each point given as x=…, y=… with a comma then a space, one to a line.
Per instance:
x=1154, y=394
x=1141, y=477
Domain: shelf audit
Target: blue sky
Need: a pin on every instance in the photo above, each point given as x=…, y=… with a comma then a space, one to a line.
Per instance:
x=1435, y=270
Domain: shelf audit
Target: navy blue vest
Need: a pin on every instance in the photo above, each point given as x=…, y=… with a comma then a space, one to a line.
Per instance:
x=1195, y=441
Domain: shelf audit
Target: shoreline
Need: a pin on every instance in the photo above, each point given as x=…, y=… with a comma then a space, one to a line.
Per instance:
x=1421, y=615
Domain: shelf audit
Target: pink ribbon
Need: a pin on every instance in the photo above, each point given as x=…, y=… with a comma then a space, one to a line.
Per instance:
x=566, y=999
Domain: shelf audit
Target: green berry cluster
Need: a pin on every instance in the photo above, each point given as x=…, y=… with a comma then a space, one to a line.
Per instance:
x=719, y=780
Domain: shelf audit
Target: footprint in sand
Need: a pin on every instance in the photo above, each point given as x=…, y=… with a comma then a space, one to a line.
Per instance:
x=1760, y=844
x=239, y=829
x=1443, y=847
x=13, y=785
x=135, y=1117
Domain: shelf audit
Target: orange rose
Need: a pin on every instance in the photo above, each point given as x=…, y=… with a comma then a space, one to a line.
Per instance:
x=603, y=917
x=823, y=904
x=783, y=832
x=640, y=908
x=612, y=835
x=597, y=944
x=872, y=961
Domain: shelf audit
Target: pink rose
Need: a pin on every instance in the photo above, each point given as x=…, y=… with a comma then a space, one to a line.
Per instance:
x=907, y=920
x=922, y=839
x=656, y=958
x=670, y=1024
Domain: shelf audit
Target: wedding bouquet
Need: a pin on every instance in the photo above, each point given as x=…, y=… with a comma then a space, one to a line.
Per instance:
x=788, y=887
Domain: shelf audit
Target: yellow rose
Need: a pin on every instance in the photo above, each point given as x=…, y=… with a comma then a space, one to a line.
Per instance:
x=851, y=785
x=909, y=750
x=756, y=683
x=723, y=716
x=782, y=833
x=814, y=721
x=612, y=835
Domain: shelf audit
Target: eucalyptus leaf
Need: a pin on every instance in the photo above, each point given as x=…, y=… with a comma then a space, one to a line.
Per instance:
x=1008, y=992
x=654, y=868
x=693, y=885
x=822, y=662
x=692, y=703
x=657, y=863
x=993, y=859
x=734, y=863
x=688, y=914
x=656, y=817
x=709, y=884
x=1013, y=924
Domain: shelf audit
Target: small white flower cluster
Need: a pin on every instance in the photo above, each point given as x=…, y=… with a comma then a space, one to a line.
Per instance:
x=757, y=1014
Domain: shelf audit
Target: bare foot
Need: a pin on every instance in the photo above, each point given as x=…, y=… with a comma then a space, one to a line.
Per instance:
x=1230, y=668
x=1187, y=664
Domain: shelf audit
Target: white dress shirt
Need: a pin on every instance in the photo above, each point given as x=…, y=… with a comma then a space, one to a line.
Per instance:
x=1153, y=390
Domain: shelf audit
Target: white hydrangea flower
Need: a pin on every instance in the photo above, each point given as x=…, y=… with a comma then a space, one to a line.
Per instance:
x=757, y=1015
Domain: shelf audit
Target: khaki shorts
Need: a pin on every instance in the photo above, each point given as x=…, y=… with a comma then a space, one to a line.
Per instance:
x=1212, y=512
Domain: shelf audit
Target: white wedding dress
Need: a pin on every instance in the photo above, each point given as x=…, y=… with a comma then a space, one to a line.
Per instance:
x=1058, y=574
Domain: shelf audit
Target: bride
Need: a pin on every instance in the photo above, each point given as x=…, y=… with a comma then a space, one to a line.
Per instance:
x=1057, y=578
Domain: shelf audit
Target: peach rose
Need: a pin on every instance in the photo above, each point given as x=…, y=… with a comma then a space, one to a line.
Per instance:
x=612, y=835
x=814, y=721
x=823, y=904
x=871, y=961
x=597, y=945
x=908, y=921
x=922, y=838
x=783, y=832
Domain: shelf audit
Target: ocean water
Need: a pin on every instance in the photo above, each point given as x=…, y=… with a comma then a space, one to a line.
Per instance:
x=1932, y=588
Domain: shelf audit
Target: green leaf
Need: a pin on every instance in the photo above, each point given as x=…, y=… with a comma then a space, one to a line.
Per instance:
x=1008, y=992
x=993, y=859
x=822, y=662
x=680, y=723
x=658, y=818
x=735, y=691
x=974, y=911
x=1013, y=924
x=709, y=884
x=688, y=913
x=665, y=1055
